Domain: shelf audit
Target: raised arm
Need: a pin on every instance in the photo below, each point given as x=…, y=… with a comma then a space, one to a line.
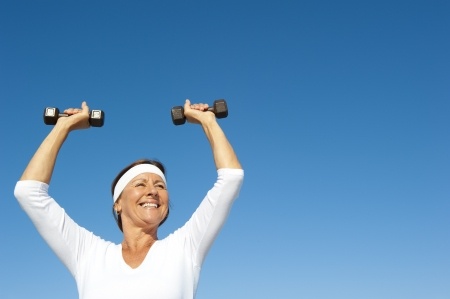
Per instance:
x=223, y=153
x=41, y=165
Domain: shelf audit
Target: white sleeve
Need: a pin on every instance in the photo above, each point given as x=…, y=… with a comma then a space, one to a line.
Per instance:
x=209, y=218
x=61, y=233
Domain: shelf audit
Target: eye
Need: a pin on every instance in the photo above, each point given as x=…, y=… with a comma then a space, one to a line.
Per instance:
x=139, y=184
x=160, y=186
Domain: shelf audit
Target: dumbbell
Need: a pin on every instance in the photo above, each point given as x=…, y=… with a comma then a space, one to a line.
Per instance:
x=219, y=108
x=51, y=115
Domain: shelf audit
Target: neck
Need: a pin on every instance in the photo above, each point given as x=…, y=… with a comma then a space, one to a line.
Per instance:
x=136, y=247
x=138, y=240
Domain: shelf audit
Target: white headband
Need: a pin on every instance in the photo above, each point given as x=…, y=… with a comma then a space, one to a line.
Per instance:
x=133, y=172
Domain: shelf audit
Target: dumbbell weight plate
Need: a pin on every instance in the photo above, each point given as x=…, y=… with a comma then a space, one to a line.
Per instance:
x=51, y=115
x=97, y=118
x=220, y=108
x=178, y=117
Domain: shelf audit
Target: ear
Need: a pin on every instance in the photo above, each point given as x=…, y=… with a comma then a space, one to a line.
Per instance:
x=117, y=207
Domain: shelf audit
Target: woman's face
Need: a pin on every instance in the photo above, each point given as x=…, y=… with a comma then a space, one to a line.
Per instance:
x=144, y=201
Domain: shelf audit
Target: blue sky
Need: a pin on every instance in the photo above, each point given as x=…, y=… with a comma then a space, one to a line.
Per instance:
x=339, y=112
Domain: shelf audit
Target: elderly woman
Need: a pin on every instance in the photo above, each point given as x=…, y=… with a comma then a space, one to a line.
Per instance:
x=142, y=265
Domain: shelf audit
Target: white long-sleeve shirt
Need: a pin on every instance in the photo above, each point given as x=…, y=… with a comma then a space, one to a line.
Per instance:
x=172, y=266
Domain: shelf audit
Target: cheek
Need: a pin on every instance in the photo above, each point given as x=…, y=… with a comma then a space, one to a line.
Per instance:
x=166, y=197
x=127, y=199
x=132, y=194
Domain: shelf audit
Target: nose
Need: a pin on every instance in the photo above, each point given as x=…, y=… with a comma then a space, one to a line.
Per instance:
x=152, y=190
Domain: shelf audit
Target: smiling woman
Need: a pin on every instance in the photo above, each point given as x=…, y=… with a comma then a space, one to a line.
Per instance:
x=141, y=266
x=128, y=173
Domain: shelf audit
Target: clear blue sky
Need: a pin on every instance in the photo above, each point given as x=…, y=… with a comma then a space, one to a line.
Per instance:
x=339, y=112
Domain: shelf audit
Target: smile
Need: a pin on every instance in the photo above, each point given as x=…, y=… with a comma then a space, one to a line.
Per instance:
x=149, y=205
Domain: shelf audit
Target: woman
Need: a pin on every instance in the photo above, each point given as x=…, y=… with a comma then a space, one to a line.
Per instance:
x=142, y=266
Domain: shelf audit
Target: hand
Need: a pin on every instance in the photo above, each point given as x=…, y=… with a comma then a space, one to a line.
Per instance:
x=197, y=113
x=77, y=118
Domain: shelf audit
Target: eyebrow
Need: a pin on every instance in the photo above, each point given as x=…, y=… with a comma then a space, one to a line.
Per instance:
x=158, y=180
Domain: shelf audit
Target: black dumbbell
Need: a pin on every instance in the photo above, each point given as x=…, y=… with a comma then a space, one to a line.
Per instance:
x=219, y=108
x=51, y=115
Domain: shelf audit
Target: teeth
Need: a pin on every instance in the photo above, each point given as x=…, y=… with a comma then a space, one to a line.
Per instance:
x=149, y=205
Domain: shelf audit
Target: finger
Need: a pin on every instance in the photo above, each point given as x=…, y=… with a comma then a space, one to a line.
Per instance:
x=199, y=106
x=202, y=106
x=72, y=110
x=84, y=108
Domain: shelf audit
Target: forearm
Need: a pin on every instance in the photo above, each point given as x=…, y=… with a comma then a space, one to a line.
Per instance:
x=41, y=165
x=223, y=152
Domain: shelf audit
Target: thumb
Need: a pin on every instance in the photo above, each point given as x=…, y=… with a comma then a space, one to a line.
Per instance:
x=187, y=104
x=84, y=106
